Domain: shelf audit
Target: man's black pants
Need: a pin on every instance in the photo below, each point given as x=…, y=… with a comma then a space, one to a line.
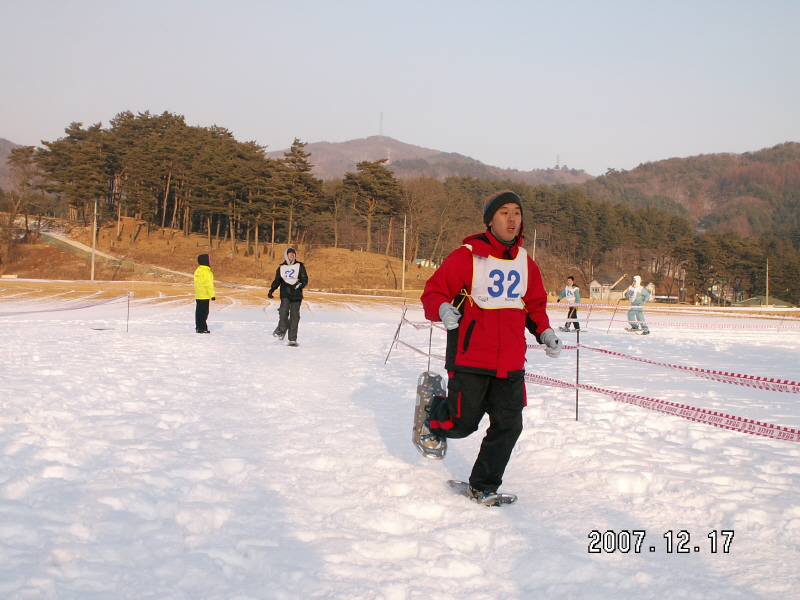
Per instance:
x=572, y=314
x=469, y=397
x=201, y=315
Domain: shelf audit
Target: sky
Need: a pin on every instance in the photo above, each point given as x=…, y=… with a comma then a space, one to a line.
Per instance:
x=515, y=84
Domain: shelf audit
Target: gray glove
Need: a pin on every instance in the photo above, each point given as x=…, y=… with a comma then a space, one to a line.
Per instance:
x=449, y=315
x=552, y=343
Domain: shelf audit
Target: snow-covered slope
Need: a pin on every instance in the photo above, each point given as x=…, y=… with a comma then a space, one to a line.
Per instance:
x=158, y=463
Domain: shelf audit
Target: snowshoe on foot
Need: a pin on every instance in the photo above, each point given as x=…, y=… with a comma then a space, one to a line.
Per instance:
x=428, y=443
x=481, y=496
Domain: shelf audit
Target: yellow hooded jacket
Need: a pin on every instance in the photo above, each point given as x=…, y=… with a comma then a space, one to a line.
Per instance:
x=204, y=283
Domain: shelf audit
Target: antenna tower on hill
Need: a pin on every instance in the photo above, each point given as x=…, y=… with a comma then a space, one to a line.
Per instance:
x=380, y=130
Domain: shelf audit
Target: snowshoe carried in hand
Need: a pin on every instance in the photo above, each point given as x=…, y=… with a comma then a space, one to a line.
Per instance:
x=429, y=444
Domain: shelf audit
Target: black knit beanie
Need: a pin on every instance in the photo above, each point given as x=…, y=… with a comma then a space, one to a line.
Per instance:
x=496, y=200
x=203, y=260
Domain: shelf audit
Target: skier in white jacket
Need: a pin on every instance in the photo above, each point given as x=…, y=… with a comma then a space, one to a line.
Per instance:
x=573, y=295
x=638, y=296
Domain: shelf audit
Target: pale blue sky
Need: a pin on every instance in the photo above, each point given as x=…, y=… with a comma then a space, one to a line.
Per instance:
x=513, y=84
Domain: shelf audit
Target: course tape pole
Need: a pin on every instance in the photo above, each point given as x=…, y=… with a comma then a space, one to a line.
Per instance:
x=422, y=352
x=691, y=413
x=763, y=383
x=755, y=381
x=738, y=311
x=77, y=307
x=423, y=324
x=396, y=333
x=699, y=415
x=714, y=325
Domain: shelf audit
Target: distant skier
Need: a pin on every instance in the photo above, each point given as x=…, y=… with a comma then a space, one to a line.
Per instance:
x=638, y=296
x=573, y=296
x=291, y=277
x=203, y=292
x=486, y=293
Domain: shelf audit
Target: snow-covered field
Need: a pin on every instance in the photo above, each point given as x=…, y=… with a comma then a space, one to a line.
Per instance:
x=158, y=463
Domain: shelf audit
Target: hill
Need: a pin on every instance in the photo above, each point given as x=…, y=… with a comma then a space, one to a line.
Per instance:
x=173, y=258
x=333, y=160
x=752, y=193
x=5, y=150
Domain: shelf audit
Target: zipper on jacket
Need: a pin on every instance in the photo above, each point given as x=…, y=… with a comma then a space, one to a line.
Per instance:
x=468, y=335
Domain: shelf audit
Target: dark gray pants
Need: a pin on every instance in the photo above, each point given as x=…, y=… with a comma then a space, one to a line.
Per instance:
x=288, y=318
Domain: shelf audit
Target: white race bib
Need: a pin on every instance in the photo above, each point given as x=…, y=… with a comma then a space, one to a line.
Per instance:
x=498, y=283
x=290, y=273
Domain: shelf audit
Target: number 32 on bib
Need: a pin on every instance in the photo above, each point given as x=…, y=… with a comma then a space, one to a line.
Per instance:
x=498, y=283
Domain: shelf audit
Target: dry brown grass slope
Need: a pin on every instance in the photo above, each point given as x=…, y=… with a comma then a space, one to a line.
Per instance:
x=329, y=269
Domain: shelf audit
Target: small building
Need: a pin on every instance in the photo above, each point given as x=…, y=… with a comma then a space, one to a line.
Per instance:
x=763, y=301
x=424, y=262
x=608, y=287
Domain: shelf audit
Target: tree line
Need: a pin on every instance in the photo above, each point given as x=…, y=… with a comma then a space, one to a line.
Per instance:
x=179, y=179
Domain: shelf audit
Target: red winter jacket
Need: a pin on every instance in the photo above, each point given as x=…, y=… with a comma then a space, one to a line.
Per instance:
x=486, y=341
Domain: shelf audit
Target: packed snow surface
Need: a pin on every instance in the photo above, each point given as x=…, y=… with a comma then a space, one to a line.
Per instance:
x=140, y=460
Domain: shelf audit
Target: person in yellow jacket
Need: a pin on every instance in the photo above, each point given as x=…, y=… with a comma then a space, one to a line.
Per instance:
x=203, y=292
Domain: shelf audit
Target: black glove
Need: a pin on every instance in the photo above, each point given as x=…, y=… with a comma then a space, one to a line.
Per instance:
x=214, y=298
x=270, y=295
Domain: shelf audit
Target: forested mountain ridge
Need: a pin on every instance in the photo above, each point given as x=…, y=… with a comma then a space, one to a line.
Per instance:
x=752, y=193
x=174, y=179
x=332, y=160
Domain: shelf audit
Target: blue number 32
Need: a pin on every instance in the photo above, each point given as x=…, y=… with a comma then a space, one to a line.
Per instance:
x=498, y=288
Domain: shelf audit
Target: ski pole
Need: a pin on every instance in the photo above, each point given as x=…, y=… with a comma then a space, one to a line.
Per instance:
x=577, y=371
x=613, y=315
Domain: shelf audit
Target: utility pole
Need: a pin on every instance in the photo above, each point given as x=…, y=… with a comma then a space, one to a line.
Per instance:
x=403, y=279
x=768, y=282
x=94, y=236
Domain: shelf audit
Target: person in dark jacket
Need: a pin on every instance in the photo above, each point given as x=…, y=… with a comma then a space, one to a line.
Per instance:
x=486, y=293
x=291, y=277
x=203, y=292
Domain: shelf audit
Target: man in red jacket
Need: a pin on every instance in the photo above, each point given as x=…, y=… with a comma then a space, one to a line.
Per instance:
x=486, y=293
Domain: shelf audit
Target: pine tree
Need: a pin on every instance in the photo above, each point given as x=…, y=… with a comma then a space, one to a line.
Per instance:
x=373, y=190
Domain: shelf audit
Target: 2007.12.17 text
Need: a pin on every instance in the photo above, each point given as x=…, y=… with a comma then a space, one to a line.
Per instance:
x=625, y=541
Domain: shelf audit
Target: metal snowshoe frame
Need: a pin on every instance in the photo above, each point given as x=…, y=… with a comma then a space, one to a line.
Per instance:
x=486, y=499
x=428, y=386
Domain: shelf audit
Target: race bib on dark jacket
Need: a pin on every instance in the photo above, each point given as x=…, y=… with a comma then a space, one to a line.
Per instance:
x=290, y=273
